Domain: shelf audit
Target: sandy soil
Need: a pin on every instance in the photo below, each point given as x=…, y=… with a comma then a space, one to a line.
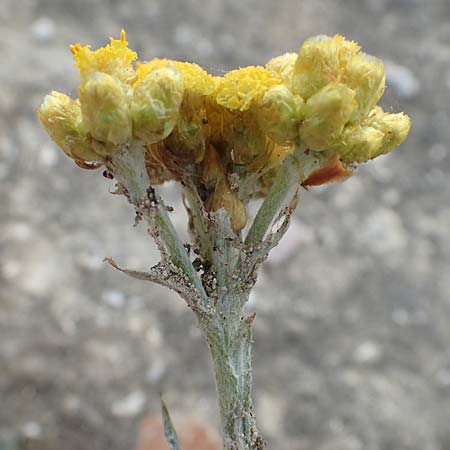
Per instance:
x=353, y=310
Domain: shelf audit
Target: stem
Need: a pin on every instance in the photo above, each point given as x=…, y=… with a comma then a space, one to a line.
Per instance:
x=230, y=343
x=129, y=168
x=295, y=168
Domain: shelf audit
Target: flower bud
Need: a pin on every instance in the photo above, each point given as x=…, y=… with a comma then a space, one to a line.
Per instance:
x=279, y=114
x=321, y=60
x=365, y=75
x=212, y=169
x=156, y=103
x=61, y=117
x=105, y=111
x=395, y=128
x=224, y=197
x=326, y=114
x=359, y=143
x=283, y=66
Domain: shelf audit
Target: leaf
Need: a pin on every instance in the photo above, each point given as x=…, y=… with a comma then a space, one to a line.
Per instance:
x=169, y=430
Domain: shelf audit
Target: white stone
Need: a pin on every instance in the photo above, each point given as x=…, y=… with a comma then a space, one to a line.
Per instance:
x=32, y=430
x=114, y=298
x=131, y=405
x=402, y=80
x=383, y=232
x=368, y=352
x=43, y=29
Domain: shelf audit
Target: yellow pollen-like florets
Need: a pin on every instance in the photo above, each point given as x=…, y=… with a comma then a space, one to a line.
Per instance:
x=115, y=59
x=231, y=134
x=238, y=89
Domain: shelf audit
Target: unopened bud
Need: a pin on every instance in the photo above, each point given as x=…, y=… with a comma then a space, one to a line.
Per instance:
x=224, y=197
x=283, y=66
x=326, y=114
x=365, y=75
x=104, y=106
x=212, y=169
x=359, y=143
x=395, y=128
x=321, y=60
x=279, y=114
x=61, y=117
x=156, y=103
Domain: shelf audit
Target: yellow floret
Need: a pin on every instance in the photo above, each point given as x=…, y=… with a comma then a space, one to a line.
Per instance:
x=196, y=80
x=240, y=88
x=114, y=59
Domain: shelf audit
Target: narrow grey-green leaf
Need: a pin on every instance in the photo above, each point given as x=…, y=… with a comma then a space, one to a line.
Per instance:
x=169, y=430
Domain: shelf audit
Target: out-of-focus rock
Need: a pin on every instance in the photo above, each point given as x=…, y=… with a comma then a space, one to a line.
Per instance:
x=192, y=435
x=402, y=80
x=43, y=30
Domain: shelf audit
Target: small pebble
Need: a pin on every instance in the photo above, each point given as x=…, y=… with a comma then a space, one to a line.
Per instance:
x=32, y=430
x=114, y=298
x=402, y=80
x=368, y=352
x=129, y=406
x=43, y=30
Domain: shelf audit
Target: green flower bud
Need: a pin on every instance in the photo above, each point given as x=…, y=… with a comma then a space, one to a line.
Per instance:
x=156, y=103
x=359, y=143
x=104, y=106
x=326, y=114
x=61, y=117
x=365, y=75
x=279, y=114
x=395, y=128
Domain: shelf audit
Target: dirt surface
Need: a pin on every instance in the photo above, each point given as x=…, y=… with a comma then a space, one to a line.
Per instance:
x=352, y=336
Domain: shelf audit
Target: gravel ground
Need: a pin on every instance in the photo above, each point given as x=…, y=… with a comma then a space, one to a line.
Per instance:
x=353, y=327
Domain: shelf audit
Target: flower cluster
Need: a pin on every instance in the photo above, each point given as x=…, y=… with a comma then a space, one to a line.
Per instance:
x=223, y=132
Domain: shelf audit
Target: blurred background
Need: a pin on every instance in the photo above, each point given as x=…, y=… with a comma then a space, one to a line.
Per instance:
x=352, y=336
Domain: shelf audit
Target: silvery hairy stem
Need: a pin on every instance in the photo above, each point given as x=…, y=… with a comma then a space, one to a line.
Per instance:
x=218, y=290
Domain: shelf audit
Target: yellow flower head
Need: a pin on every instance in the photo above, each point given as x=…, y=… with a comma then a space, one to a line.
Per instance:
x=114, y=59
x=227, y=132
x=196, y=80
x=238, y=89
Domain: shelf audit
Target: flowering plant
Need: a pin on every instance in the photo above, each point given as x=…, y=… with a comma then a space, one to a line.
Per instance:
x=257, y=132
